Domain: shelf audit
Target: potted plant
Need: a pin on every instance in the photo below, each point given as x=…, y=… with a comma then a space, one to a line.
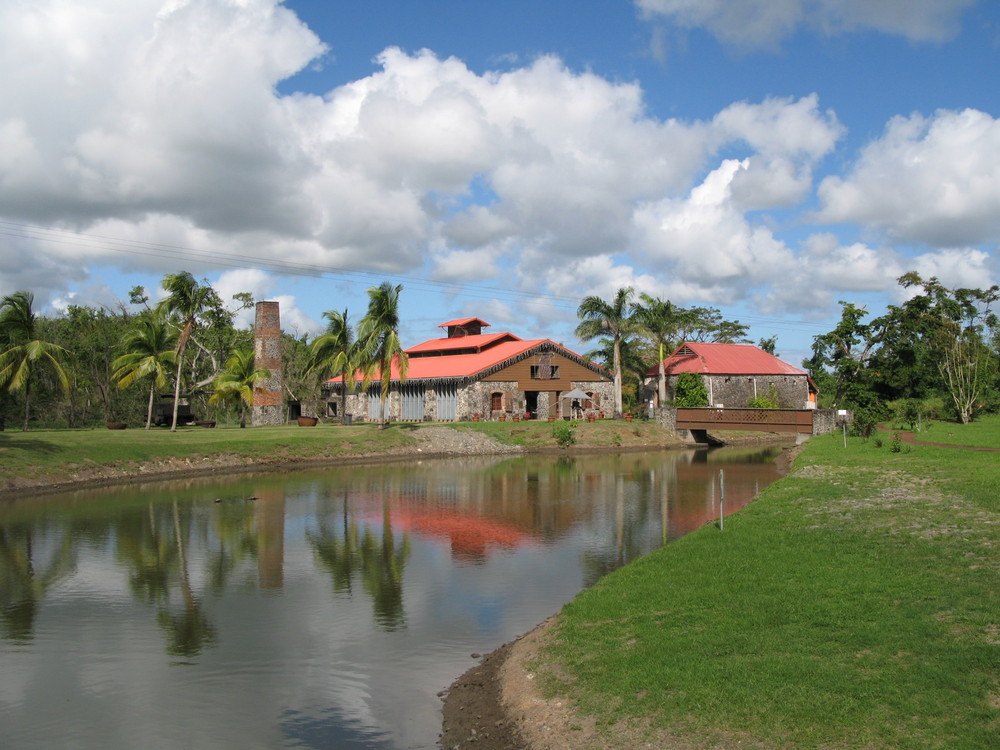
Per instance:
x=308, y=421
x=475, y=417
x=526, y=416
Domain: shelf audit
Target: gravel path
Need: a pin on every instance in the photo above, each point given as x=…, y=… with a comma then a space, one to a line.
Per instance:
x=449, y=442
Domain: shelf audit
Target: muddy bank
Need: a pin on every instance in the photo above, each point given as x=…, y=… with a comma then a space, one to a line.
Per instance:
x=497, y=705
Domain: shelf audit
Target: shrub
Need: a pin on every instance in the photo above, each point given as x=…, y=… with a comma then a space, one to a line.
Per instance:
x=770, y=401
x=690, y=390
x=867, y=418
x=564, y=433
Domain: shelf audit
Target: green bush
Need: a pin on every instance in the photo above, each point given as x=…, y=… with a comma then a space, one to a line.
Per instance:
x=690, y=390
x=867, y=418
x=772, y=400
x=564, y=433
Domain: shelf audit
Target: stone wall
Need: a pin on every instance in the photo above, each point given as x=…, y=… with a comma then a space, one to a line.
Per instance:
x=475, y=398
x=736, y=391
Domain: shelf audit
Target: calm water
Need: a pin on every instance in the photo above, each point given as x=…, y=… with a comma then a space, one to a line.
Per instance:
x=318, y=610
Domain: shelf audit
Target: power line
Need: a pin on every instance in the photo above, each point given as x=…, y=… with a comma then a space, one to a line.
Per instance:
x=292, y=268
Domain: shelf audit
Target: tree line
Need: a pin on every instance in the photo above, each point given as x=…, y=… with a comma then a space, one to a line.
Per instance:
x=95, y=365
x=936, y=353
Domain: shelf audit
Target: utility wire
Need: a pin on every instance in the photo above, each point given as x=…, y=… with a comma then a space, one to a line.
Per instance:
x=293, y=268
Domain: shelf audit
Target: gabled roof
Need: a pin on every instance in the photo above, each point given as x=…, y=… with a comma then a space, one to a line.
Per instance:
x=464, y=322
x=724, y=359
x=448, y=359
x=477, y=343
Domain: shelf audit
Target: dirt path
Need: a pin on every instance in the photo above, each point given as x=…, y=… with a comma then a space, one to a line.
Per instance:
x=911, y=439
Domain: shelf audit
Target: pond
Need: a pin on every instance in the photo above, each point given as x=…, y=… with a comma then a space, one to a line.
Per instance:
x=321, y=609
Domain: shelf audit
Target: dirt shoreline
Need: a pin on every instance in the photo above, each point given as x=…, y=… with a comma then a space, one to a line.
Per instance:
x=496, y=704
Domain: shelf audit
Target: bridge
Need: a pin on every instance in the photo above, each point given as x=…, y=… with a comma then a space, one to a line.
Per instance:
x=801, y=422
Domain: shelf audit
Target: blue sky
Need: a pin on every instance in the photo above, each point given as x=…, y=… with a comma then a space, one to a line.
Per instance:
x=502, y=159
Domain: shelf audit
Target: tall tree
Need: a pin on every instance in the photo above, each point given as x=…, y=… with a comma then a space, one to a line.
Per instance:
x=237, y=381
x=22, y=351
x=336, y=353
x=846, y=350
x=148, y=350
x=959, y=324
x=378, y=335
x=634, y=364
x=186, y=299
x=612, y=319
x=659, y=319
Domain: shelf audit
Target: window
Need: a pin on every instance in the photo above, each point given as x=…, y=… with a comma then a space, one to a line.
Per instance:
x=544, y=372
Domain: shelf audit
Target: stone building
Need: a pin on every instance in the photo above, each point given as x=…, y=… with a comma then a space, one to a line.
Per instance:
x=469, y=374
x=735, y=374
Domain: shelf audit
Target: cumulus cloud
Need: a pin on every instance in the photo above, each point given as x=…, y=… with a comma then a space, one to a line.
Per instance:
x=151, y=137
x=854, y=268
x=262, y=286
x=958, y=267
x=748, y=24
x=705, y=239
x=158, y=124
x=927, y=179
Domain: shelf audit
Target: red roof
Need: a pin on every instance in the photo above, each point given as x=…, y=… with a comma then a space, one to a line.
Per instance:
x=465, y=322
x=464, y=365
x=467, y=356
x=479, y=342
x=724, y=359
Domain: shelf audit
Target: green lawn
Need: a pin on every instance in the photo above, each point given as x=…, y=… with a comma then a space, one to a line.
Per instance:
x=856, y=603
x=63, y=455
x=982, y=433
x=59, y=454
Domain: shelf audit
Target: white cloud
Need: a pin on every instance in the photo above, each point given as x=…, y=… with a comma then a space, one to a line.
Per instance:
x=934, y=180
x=854, y=268
x=155, y=129
x=748, y=24
x=958, y=267
x=158, y=123
x=707, y=240
x=262, y=286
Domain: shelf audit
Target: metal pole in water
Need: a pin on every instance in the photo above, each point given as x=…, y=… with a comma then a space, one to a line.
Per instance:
x=722, y=498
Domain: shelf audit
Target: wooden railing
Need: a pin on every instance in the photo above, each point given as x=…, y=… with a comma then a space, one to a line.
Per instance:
x=767, y=420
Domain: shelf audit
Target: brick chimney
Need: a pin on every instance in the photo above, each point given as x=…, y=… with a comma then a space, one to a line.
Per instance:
x=268, y=398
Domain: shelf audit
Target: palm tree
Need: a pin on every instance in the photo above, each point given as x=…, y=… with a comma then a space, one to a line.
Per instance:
x=23, y=351
x=613, y=319
x=632, y=362
x=378, y=335
x=187, y=299
x=336, y=353
x=149, y=348
x=658, y=319
x=237, y=381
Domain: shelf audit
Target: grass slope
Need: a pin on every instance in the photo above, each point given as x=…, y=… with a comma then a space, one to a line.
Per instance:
x=856, y=603
x=57, y=456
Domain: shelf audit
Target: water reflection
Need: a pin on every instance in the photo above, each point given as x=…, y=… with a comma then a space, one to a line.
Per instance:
x=324, y=608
